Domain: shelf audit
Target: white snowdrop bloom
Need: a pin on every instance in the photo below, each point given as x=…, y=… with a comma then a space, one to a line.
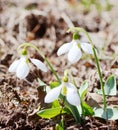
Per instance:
x=21, y=66
x=74, y=50
x=67, y=89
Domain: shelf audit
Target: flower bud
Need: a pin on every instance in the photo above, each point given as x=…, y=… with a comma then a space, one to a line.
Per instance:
x=75, y=36
x=65, y=79
x=24, y=52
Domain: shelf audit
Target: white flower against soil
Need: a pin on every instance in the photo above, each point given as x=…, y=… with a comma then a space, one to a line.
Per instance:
x=67, y=89
x=21, y=66
x=74, y=50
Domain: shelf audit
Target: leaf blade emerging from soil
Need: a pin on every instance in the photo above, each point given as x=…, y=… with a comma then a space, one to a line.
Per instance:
x=110, y=86
x=51, y=112
x=83, y=89
x=112, y=113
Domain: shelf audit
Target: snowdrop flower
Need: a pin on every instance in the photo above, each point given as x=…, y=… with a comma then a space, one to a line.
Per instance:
x=67, y=89
x=21, y=66
x=74, y=49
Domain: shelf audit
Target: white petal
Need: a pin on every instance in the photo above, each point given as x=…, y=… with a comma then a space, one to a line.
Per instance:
x=14, y=66
x=40, y=65
x=87, y=48
x=53, y=94
x=22, y=69
x=72, y=95
x=74, y=54
x=64, y=48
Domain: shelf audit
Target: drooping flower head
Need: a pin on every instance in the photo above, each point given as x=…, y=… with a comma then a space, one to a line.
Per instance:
x=67, y=89
x=74, y=49
x=21, y=66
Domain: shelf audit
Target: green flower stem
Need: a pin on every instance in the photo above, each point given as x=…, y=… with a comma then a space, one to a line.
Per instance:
x=52, y=69
x=72, y=108
x=75, y=112
x=77, y=29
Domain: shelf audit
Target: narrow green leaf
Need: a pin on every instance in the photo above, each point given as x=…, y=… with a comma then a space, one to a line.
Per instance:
x=110, y=86
x=112, y=113
x=50, y=113
x=83, y=89
x=59, y=127
x=88, y=111
x=55, y=104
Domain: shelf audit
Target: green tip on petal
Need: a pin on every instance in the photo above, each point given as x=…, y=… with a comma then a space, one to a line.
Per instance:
x=79, y=46
x=27, y=61
x=64, y=91
x=24, y=52
x=75, y=36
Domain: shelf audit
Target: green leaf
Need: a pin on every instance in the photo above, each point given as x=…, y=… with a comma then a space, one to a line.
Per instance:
x=43, y=86
x=112, y=113
x=41, y=83
x=110, y=86
x=83, y=89
x=55, y=104
x=50, y=113
x=87, y=110
x=59, y=127
x=54, y=84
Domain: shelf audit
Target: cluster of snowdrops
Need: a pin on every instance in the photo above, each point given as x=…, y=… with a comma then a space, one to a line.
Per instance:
x=64, y=94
